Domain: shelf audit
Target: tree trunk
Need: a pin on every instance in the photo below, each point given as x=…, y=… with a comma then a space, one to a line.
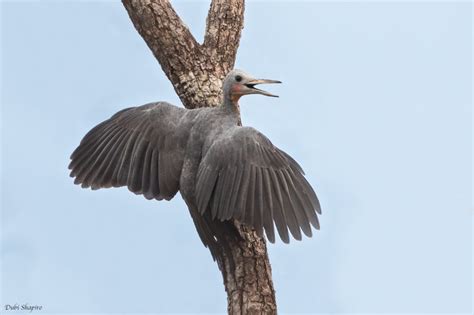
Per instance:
x=196, y=72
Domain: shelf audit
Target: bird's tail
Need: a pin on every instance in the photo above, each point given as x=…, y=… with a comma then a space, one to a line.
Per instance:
x=217, y=236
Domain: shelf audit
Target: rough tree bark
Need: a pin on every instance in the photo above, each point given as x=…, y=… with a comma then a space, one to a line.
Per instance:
x=196, y=72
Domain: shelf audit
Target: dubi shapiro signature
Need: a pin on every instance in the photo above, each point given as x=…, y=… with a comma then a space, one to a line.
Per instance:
x=22, y=307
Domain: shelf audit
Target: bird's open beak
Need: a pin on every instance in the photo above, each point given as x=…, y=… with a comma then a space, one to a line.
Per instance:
x=251, y=89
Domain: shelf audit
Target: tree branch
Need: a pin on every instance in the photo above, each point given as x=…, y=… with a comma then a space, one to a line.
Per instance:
x=224, y=25
x=163, y=31
x=194, y=70
x=249, y=285
x=171, y=42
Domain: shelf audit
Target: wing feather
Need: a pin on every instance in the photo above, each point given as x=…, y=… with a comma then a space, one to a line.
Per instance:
x=125, y=161
x=108, y=179
x=96, y=158
x=268, y=218
x=311, y=215
x=218, y=194
x=207, y=181
x=135, y=171
x=146, y=175
x=299, y=205
x=289, y=206
x=257, y=184
x=138, y=147
x=248, y=214
x=279, y=211
x=81, y=166
x=98, y=165
x=235, y=193
x=259, y=205
x=226, y=189
x=104, y=169
x=242, y=195
x=231, y=187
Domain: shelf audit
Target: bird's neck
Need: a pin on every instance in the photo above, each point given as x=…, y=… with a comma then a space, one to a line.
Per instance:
x=231, y=106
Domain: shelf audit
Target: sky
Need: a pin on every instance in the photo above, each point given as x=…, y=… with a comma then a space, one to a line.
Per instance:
x=376, y=105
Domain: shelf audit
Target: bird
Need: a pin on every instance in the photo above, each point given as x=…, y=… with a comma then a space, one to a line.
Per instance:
x=224, y=171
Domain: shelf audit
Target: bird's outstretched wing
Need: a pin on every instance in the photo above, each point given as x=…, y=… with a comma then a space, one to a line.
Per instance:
x=245, y=177
x=138, y=147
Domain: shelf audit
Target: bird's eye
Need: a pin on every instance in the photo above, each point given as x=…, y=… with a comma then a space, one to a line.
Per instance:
x=238, y=78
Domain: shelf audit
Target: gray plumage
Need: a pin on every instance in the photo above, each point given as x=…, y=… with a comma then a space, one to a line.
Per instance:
x=222, y=170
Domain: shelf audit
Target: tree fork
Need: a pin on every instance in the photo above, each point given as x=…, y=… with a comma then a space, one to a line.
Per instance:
x=196, y=72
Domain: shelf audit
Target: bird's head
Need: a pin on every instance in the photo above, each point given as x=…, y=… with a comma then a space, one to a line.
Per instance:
x=238, y=83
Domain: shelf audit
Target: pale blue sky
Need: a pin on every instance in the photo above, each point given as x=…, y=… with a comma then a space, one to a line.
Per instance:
x=375, y=104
